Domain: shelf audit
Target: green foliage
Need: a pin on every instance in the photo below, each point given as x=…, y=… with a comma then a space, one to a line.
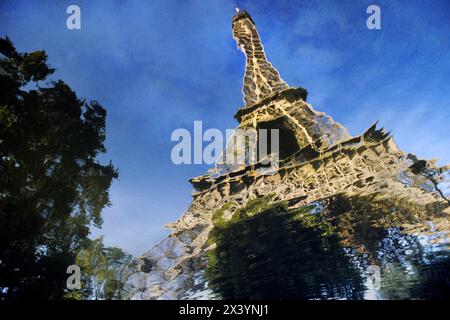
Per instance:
x=264, y=252
x=102, y=271
x=258, y=205
x=217, y=217
x=317, y=251
x=253, y=207
x=52, y=187
x=317, y=221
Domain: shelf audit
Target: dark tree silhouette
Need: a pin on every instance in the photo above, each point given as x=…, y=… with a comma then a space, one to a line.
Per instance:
x=52, y=187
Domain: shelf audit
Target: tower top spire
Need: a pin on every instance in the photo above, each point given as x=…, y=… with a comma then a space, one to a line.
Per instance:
x=261, y=79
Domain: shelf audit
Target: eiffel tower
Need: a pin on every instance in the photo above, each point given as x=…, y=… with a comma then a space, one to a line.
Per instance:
x=356, y=185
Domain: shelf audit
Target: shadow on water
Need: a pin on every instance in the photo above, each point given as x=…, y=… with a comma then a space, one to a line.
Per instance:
x=337, y=248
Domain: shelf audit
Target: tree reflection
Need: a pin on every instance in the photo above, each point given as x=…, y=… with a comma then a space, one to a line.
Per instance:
x=321, y=251
x=270, y=256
